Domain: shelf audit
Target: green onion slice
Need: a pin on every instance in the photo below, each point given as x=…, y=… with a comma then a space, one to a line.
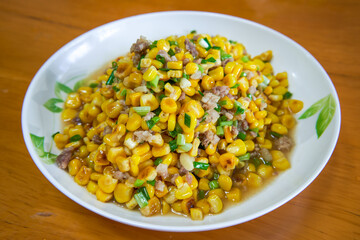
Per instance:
x=244, y=157
x=138, y=183
x=111, y=78
x=219, y=130
x=242, y=136
x=226, y=123
x=180, y=139
x=187, y=120
x=152, y=183
x=186, y=147
x=151, y=123
x=245, y=59
x=173, y=145
x=200, y=165
x=75, y=138
x=158, y=161
x=141, y=199
x=214, y=184
x=142, y=111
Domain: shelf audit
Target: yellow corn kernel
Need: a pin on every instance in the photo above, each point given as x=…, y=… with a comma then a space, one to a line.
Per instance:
x=148, y=173
x=152, y=208
x=149, y=100
x=74, y=166
x=211, y=149
x=229, y=80
x=216, y=205
x=267, y=144
x=164, y=117
x=146, y=163
x=174, y=74
x=161, y=151
x=229, y=67
x=179, y=181
x=276, y=98
x=234, y=195
x=295, y=105
x=187, y=128
x=162, y=44
x=131, y=204
x=95, y=176
x=101, y=117
x=251, y=167
x=207, y=82
x=152, y=53
x=204, y=184
x=254, y=180
x=162, y=193
x=176, y=206
x=175, y=65
x=219, y=192
x=61, y=140
x=279, y=161
x=284, y=83
x=225, y=182
x=196, y=214
x=228, y=161
x=195, y=146
x=250, y=117
x=150, y=74
x=107, y=184
x=73, y=101
x=194, y=183
x=114, y=152
x=145, y=62
x=145, y=157
x=203, y=205
x=157, y=64
x=253, y=107
x=68, y=114
x=92, y=187
x=189, y=91
x=260, y=114
x=187, y=205
x=189, y=137
x=183, y=192
x=83, y=152
x=168, y=105
x=123, y=193
x=134, y=165
x=279, y=128
x=282, y=75
x=265, y=171
x=172, y=122
x=273, y=117
x=134, y=122
x=102, y=196
x=217, y=74
x=228, y=134
x=83, y=176
x=229, y=103
x=130, y=141
x=191, y=68
x=279, y=90
x=238, y=148
x=165, y=208
x=288, y=121
x=222, y=144
x=135, y=98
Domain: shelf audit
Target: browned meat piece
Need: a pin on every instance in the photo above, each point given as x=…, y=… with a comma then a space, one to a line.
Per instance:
x=120, y=175
x=263, y=105
x=189, y=178
x=76, y=120
x=191, y=48
x=165, y=55
x=196, y=37
x=209, y=100
x=208, y=137
x=249, y=74
x=107, y=130
x=173, y=178
x=186, y=61
x=229, y=115
x=212, y=116
x=244, y=125
x=197, y=61
x=283, y=143
x=265, y=153
x=177, y=50
x=64, y=157
x=252, y=90
x=221, y=91
x=234, y=131
x=139, y=48
x=253, y=134
x=196, y=75
x=182, y=171
x=182, y=96
x=149, y=116
x=97, y=139
x=162, y=170
x=159, y=185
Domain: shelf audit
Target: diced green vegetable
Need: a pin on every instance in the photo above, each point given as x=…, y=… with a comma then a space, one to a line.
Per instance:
x=287, y=95
x=216, y=176
x=152, y=183
x=173, y=145
x=151, y=123
x=138, y=183
x=201, y=194
x=245, y=59
x=186, y=147
x=142, y=111
x=242, y=135
x=187, y=120
x=157, y=161
x=75, y=138
x=219, y=131
x=180, y=139
x=226, y=123
x=110, y=80
x=244, y=157
x=200, y=165
x=141, y=199
x=160, y=59
x=214, y=184
x=145, y=192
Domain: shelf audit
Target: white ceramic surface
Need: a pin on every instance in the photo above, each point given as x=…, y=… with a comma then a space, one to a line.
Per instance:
x=92, y=50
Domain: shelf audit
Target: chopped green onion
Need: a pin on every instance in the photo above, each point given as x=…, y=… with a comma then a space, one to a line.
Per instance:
x=171, y=52
x=222, y=118
x=287, y=95
x=157, y=111
x=138, y=183
x=115, y=89
x=255, y=130
x=123, y=92
x=249, y=96
x=208, y=43
x=266, y=80
x=145, y=192
x=224, y=55
x=186, y=147
x=164, y=69
x=152, y=183
x=178, y=128
x=235, y=123
x=162, y=96
x=214, y=184
x=114, y=65
x=173, y=43
x=245, y=59
x=201, y=194
x=173, y=133
x=219, y=130
x=138, y=66
x=235, y=86
x=275, y=134
x=223, y=102
x=239, y=110
x=186, y=76
x=216, y=176
x=193, y=32
x=201, y=69
x=75, y=138
x=158, y=161
x=201, y=93
x=141, y=199
x=226, y=123
x=93, y=85
x=153, y=44
x=267, y=163
x=232, y=42
x=243, y=74
x=154, y=82
x=160, y=59
x=54, y=134
x=151, y=123
x=111, y=78
x=180, y=139
x=208, y=60
x=173, y=145
x=200, y=165
x=187, y=120
x=142, y=111
x=218, y=108
x=242, y=136
x=204, y=117
x=244, y=157
x=203, y=43
x=256, y=162
x=216, y=47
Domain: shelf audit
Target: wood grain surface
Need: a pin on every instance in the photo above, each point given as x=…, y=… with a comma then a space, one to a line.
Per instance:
x=32, y=30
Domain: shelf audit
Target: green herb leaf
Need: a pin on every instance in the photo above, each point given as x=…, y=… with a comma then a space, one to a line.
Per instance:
x=49, y=158
x=51, y=105
x=38, y=144
x=61, y=87
x=326, y=115
x=173, y=43
x=314, y=108
x=208, y=60
x=75, y=138
x=173, y=133
x=187, y=120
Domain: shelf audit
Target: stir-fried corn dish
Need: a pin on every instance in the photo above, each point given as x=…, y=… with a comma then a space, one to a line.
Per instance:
x=182, y=124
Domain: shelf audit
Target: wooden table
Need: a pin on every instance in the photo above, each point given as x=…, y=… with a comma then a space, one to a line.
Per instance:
x=31, y=31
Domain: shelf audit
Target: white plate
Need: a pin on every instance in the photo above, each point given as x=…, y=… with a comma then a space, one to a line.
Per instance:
x=90, y=51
